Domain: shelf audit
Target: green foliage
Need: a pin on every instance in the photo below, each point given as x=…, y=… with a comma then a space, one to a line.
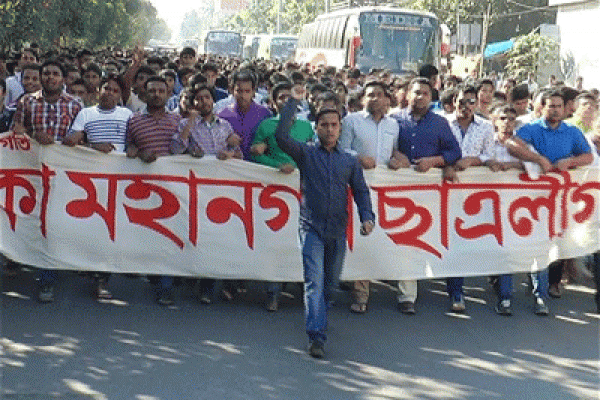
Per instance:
x=160, y=31
x=507, y=19
x=261, y=16
x=90, y=23
x=530, y=53
x=447, y=10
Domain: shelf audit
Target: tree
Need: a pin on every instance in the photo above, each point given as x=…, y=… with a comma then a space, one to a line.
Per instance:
x=507, y=19
x=261, y=16
x=90, y=23
x=160, y=31
x=530, y=54
x=19, y=21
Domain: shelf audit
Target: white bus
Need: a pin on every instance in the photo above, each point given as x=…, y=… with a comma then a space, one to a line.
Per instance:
x=222, y=42
x=277, y=47
x=389, y=38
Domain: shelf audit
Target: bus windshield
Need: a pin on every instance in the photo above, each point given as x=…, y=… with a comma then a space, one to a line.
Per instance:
x=283, y=49
x=400, y=42
x=224, y=43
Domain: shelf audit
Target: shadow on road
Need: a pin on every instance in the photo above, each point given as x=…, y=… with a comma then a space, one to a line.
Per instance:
x=130, y=348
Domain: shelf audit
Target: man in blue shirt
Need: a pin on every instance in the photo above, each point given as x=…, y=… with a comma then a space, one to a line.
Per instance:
x=561, y=146
x=326, y=172
x=425, y=141
x=211, y=73
x=557, y=146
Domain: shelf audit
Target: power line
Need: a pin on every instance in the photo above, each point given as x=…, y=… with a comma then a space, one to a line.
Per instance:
x=521, y=5
x=513, y=14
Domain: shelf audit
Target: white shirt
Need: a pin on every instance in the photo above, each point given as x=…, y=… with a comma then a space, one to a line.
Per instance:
x=363, y=136
x=135, y=104
x=477, y=141
x=524, y=119
x=596, y=161
x=103, y=126
x=14, y=89
x=498, y=152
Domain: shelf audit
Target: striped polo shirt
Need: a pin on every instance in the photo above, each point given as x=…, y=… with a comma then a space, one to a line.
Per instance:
x=153, y=134
x=103, y=126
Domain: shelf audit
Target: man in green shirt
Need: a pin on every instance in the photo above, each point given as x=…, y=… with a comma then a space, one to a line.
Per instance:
x=265, y=151
x=585, y=113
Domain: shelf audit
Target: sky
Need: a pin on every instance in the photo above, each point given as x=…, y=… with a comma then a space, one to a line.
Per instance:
x=172, y=11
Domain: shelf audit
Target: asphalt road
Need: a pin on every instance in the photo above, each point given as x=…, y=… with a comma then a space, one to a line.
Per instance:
x=130, y=348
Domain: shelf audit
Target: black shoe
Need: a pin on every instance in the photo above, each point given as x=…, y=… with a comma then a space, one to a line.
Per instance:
x=316, y=349
x=457, y=304
x=205, y=299
x=165, y=298
x=406, y=307
x=102, y=293
x=503, y=307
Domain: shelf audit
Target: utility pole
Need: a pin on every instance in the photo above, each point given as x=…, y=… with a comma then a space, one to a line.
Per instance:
x=457, y=28
x=486, y=25
x=279, y=17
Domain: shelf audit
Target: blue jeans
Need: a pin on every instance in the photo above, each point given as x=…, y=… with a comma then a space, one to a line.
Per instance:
x=207, y=286
x=454, y=286
x=596, y=272
x=274, y=289
x=47, y=277
x=539, y=281
x=505, y=285
x=322, y=259
x=165, y=284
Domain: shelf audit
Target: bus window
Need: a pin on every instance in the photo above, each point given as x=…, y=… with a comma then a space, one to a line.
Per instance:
x=401, y=41
x=223, y=43
x=283, y=48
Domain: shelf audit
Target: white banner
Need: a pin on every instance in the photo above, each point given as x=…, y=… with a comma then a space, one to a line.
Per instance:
x=79, y=209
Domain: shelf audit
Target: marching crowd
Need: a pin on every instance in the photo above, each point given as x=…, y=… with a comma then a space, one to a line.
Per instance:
x=321, y=120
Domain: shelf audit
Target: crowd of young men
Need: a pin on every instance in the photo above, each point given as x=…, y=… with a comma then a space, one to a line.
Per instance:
x=150, y=107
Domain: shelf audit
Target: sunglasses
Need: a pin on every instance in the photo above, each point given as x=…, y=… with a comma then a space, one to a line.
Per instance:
x=466, y=102
x=506, y=118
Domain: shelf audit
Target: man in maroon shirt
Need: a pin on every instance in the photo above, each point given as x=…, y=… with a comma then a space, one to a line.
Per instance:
x=148, y=137
x=149, y=133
